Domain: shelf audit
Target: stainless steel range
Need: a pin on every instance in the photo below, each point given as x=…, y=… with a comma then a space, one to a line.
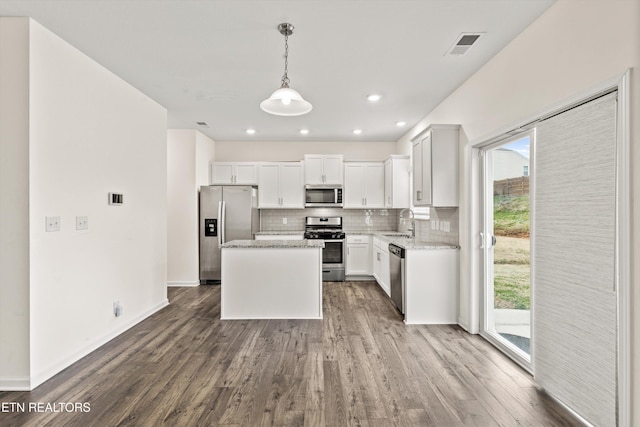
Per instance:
x=328, y=229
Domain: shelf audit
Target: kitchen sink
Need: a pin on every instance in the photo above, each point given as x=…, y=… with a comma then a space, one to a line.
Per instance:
x=399, y=236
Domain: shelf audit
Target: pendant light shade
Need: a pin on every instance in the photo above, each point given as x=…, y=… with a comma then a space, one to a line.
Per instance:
x=286, y=101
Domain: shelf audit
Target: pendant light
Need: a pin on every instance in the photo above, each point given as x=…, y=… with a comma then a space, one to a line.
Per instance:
x=286, y=101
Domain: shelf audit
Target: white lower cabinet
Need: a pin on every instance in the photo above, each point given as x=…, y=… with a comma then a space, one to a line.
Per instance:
x=380, y=261
x=432, y=280
x=358, y=255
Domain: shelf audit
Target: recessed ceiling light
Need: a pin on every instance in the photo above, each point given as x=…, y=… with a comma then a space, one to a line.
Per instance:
x=203, y=124
x=374, y=97
x=357, y=131
x=400, y=124
x=251, y=131
x=304, y=131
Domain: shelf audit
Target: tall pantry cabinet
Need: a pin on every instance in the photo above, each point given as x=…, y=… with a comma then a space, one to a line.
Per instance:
x=435, y=166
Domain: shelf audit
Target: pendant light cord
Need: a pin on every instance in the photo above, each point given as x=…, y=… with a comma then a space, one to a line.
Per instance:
x=285, y=77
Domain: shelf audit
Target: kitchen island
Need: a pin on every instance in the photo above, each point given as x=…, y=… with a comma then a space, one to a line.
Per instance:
x=271, y=279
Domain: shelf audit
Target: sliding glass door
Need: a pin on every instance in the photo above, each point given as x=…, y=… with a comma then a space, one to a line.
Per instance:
x=506, y=246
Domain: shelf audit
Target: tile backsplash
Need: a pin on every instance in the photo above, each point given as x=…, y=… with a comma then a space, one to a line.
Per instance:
x=434, y=229
x=352, y=219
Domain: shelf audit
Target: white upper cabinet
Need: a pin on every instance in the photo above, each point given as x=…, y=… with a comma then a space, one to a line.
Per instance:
x=320, y=169
x=435, y=167
x=396, y=182
x=281, y=185
x=364, y=185
x=245, y=173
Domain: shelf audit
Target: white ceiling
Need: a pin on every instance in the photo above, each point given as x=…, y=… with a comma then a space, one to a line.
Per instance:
x=216, y=60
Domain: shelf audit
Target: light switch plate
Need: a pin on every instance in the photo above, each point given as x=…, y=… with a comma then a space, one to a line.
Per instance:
x=82, y=222
x=52, y=223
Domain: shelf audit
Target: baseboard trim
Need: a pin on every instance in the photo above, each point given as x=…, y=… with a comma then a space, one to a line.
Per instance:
x=183, y=283
x=56, y=368
x=16, y=384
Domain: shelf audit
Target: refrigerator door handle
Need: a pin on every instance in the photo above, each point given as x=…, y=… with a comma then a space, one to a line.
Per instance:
x=220, y=224
x=223, y=226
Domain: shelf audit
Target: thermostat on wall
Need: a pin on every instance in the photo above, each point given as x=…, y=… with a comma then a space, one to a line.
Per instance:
x=116, y=199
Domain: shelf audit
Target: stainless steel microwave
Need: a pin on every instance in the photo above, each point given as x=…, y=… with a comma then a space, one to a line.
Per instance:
x=317, y=196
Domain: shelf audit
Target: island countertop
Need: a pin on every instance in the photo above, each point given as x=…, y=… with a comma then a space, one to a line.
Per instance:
x=279, y=244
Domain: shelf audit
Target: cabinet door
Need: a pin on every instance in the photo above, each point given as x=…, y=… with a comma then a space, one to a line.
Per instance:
x=374, y=186
x=444, y=169
x=416, y=158
x=426, y=169
x=376, y=260
x=313, y=169
x=422, y=171
x=333, y=167
x=354, y=175
x=269, y=185
x=222, y=173
x=246, y=173
x=385, y=273
x=358, y=259
x=388, y=184
x=291, y=185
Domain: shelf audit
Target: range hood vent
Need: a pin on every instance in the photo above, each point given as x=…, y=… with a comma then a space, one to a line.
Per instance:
x=464, y=43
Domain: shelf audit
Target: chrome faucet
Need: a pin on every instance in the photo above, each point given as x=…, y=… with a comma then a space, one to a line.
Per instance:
x=413, y=221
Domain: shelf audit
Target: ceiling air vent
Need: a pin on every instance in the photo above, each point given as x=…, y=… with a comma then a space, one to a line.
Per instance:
x=203, y=124
x=464, y=43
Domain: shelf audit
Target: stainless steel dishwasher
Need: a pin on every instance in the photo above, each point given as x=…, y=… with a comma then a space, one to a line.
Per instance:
x=396, y=274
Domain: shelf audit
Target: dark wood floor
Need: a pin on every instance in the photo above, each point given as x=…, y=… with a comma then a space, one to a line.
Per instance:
x=359, y=366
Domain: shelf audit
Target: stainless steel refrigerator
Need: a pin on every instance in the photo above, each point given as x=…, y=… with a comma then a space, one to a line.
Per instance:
x=226, y=213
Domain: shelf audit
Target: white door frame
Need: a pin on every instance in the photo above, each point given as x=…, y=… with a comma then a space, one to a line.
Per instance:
x=621, y=83
x=487, y=264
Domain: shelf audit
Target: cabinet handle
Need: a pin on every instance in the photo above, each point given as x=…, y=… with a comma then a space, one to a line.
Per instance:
x=348, y=251
x=378, y=255
x=419, y=195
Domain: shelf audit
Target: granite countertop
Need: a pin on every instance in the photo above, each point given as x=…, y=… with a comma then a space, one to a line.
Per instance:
x=280, y=233
x=401, y=239
x=270, y=244
x=410, y=243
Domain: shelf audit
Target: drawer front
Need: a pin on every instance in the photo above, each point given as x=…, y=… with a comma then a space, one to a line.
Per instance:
x=358, y=239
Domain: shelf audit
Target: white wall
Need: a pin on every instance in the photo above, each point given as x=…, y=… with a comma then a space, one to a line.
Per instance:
x=188, y=155
x=295, y=150
x=14, y=208
x=572, y=47
x=90, y=133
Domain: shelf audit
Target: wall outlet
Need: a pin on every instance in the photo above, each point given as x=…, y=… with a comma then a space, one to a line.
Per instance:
x=117, y=309
x=446, y=226
x=434, y=224
x=52, y=223
x=284, y=220
x=82, y=222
